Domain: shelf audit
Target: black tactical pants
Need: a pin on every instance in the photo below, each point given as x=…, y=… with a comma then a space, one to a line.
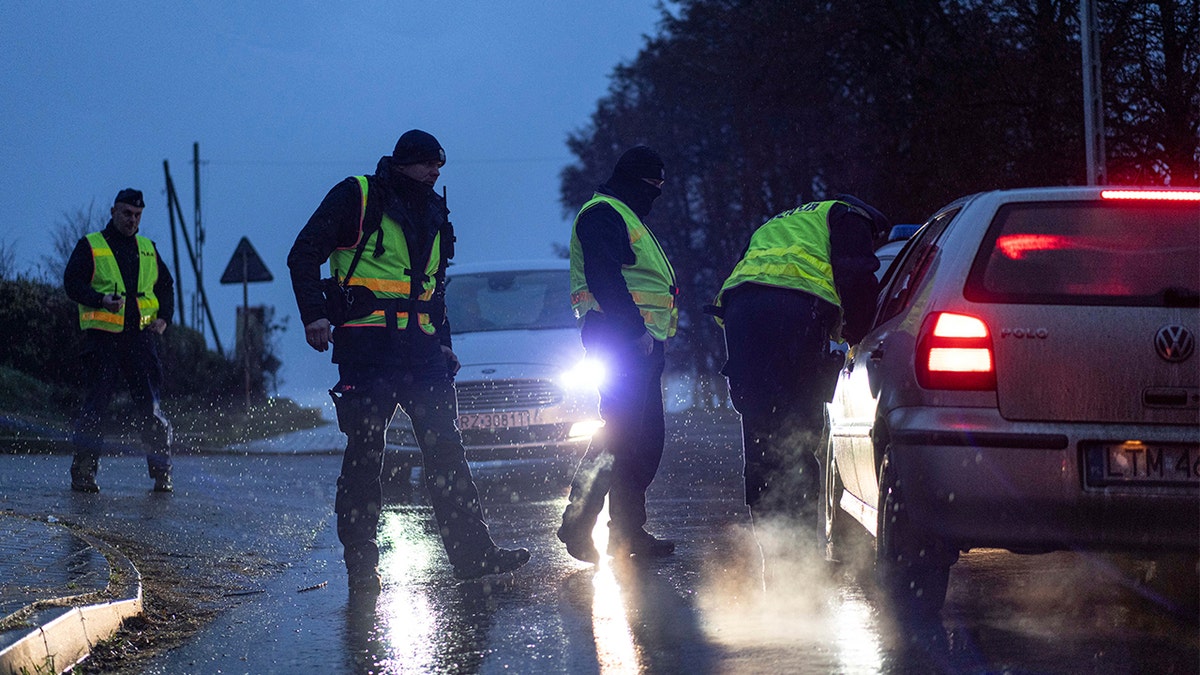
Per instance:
x=111, y=358
x=624, y=455
x=777, y=341
x=367, y=398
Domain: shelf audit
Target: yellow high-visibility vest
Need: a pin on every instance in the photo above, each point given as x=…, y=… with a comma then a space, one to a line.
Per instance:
x=650, y=279
x=106, y=278
x=791, y=250
x=390, y=275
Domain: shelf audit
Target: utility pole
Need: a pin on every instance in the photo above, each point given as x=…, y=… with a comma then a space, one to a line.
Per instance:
x=175, y=249
x=173, y=202
x=199, y=236
x=1093, y=101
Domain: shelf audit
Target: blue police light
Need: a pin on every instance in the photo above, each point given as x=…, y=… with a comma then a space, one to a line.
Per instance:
x=902, y=232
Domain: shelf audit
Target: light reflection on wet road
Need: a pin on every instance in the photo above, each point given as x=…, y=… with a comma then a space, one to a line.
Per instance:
x=701, y=611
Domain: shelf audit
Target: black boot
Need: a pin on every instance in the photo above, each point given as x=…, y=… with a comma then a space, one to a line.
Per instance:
x=640, y=543
x=588, y=489
x=579, y=544
x=83, y=473
x=495, y=560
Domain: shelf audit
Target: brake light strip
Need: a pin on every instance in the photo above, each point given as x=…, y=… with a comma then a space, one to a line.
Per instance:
x=1152, y=195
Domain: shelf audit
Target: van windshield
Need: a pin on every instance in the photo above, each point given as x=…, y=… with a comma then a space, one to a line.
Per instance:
x=509, y=300
x=1090, y=253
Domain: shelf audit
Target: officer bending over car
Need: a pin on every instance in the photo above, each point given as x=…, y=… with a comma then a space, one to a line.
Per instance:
x=807, y=276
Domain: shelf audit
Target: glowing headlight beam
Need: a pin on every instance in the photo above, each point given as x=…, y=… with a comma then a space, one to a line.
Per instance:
x=587, y=374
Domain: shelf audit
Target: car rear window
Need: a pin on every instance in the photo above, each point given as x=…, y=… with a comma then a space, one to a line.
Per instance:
x=510, y=300
x=1090, y=253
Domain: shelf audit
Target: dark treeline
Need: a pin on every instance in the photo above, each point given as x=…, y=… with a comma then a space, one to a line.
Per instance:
x=760, y=105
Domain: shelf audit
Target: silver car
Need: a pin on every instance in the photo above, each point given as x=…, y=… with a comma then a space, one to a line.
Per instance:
x=1030, y=383
x=524, y=388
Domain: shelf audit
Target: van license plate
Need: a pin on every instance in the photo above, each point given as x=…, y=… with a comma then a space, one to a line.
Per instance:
x=495, y=420
x=1142, y=464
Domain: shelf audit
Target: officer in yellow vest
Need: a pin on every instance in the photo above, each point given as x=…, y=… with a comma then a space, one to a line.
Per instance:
x=623, y=292
x=806, y=277
x=387, y=237
x=125, y=298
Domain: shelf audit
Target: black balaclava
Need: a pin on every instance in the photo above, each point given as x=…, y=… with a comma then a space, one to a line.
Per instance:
x=626, y=182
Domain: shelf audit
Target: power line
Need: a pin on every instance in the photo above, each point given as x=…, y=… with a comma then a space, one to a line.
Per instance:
x=327, y=162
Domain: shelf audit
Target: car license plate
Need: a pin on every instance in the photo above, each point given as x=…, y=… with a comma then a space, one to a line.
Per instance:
x=1142, y=464
x=495, y=420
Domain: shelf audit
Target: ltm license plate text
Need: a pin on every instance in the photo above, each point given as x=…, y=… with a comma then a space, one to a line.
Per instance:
x=1138, y=463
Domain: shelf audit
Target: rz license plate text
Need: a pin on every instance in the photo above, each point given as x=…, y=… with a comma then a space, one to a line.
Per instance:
x=496, y=420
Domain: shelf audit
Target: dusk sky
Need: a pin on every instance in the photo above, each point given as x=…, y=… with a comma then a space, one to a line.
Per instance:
x=285, y=100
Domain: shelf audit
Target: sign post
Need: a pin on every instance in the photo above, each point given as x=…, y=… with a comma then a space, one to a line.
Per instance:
x=245, y=267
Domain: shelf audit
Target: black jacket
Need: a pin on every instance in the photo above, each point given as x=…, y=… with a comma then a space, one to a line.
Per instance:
x=77, y=277
x=852, y=256
x=420, y=212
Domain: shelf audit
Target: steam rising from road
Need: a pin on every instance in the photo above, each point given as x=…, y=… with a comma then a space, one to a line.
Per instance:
x=772, y=586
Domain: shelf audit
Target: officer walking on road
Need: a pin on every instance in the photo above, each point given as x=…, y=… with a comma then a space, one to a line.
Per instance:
x=388, y=240
x=623, y=291
x=806, y=277
x=125, y=298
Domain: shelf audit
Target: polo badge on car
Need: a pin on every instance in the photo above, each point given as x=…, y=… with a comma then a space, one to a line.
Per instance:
x=1174, y=343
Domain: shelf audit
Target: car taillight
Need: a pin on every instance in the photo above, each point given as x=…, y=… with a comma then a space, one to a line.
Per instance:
x=1159, y=195
x=954, y=351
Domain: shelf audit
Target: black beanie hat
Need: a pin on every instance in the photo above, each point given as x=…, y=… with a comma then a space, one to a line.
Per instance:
x=640, y=162
x=416, y=146
x=131, y=197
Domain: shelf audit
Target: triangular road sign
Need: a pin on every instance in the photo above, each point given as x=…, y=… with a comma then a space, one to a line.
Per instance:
x=245, y=266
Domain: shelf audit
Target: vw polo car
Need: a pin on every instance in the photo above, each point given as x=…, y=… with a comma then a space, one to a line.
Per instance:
x=524, y=388
x=1030, y=383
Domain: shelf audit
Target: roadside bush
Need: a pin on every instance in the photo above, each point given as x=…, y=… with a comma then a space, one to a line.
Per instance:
x=39, y=331
x=192, y=370
x=40, y=337
x=24, y=395
x=42, y=375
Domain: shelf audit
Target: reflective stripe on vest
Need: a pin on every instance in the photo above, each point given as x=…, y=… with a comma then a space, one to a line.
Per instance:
x=106, y=278
x=650, y=280
x=388, y=276
x=791, y=250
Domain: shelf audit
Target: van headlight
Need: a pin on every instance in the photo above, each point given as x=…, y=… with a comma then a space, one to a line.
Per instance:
x=587, y=374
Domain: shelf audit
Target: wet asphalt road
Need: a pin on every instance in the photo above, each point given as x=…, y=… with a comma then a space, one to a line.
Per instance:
x=253, y=531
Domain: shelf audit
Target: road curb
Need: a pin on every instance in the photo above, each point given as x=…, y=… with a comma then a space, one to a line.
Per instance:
x=68, y=628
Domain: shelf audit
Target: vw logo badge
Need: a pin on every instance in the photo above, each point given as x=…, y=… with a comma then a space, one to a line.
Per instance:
x=1174, y=343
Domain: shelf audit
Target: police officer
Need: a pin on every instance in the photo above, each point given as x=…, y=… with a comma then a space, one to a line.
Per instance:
x=387, y=237
x=623, y=291
x=806, y=277
x=125, y=298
